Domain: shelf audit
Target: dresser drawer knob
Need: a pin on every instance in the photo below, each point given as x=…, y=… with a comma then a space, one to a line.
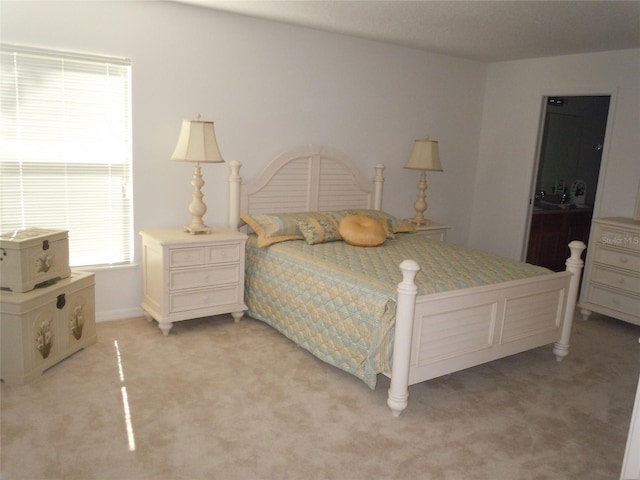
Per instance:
x=624, y=260
x=615, y=301
x=620, y=280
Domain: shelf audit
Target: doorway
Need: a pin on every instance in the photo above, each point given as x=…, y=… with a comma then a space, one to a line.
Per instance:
x=566, y=179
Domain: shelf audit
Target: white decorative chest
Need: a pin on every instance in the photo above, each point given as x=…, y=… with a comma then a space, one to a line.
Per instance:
x=33, y=256
x=612, y=277
x=41, y=327
x=191, y=276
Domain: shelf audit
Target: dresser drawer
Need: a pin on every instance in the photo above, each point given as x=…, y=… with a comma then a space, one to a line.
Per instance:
x=204, y=277
x=618, y=238
x=202, y=299
x=617, y=258
x=616, y=279
x=614, y=301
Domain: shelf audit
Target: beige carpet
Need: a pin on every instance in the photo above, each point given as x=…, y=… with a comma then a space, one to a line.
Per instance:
x=216, y=400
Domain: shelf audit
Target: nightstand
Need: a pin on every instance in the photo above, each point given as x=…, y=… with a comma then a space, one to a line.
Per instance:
x=434, y=230
x=192, y=276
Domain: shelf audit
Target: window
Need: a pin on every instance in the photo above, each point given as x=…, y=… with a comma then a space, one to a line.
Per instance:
x=65, y=150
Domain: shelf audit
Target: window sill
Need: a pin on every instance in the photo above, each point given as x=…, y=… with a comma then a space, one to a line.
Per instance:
x=103, y=268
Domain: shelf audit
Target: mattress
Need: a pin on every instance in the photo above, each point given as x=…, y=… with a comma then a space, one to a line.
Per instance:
x=338, y=301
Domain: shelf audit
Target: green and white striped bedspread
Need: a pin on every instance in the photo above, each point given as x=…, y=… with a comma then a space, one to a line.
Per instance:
x=338, y=301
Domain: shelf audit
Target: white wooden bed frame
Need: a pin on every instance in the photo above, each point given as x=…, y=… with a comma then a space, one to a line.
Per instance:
x=435, y=334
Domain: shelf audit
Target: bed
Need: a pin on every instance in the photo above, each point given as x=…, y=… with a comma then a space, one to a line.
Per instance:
x=412, y=308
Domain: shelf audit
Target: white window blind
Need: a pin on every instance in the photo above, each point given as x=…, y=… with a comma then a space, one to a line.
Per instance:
x=65, y=150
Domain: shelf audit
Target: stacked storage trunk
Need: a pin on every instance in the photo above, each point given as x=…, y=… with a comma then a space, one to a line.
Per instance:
x=47, y=312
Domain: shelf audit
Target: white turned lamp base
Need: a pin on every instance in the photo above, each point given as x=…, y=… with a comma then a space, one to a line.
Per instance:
x=197, y=208
x=421, y=202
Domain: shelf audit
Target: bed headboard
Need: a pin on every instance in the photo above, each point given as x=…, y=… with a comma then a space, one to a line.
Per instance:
x=304, y=179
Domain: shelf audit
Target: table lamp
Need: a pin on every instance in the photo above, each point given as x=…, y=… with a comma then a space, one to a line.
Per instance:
x=425, y=156
x=197, y=143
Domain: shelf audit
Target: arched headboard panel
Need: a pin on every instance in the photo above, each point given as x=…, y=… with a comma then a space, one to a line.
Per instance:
x=304, y=179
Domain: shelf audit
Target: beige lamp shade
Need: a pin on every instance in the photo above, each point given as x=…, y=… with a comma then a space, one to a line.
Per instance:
x=197, y=143
x=425, y=156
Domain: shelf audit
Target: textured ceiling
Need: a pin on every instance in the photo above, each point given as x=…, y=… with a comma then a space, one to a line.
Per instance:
x=484, y=30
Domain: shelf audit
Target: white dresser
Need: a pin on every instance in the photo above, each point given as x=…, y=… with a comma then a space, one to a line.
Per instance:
x=612, y=276
x=191, y=276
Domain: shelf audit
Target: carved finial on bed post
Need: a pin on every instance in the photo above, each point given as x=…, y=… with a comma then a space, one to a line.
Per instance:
x=407, y=292
x=235, y=180
x=574, y=265
x=378, y=180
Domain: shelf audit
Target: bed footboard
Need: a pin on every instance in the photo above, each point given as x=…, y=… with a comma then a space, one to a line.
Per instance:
x=444, y=333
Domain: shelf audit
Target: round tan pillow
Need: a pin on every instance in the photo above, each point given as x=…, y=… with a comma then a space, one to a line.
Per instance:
x=362, y=231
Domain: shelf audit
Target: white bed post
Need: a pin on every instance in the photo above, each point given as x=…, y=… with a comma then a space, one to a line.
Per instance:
x=407, y=292
x=378, y=181
x=574, y=265
x=235, y=180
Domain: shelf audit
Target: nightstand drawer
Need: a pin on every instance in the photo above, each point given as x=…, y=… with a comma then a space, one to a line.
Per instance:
x=617, y=258
x=223, y=253
x=614, y=301
x=616, y=279
x=204, y=277
x=202, y=299
x=186, y=257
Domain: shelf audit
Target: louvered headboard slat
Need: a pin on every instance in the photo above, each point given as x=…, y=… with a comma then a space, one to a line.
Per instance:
x=309, y=178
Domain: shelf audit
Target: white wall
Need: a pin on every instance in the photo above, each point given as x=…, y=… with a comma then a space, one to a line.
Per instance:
x=512, y=113
x=268, y=87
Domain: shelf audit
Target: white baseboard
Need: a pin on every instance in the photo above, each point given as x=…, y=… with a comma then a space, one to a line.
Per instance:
x=110, y=315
